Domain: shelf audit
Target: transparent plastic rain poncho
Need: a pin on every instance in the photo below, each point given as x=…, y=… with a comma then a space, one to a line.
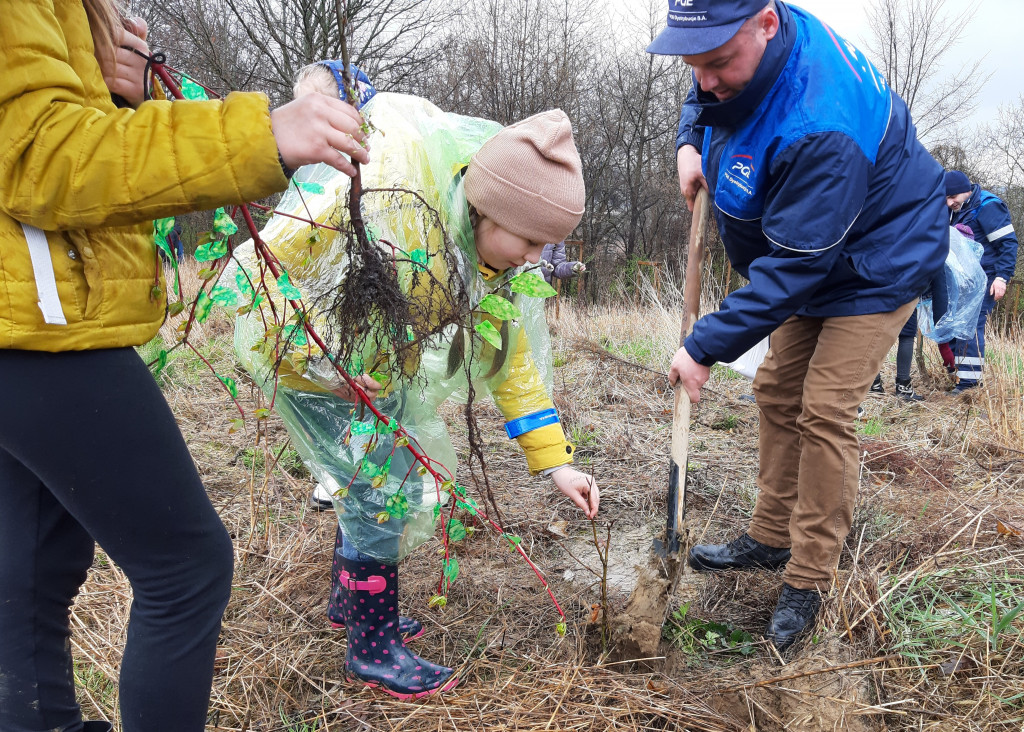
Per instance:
x=965, y=282
x=418, y=147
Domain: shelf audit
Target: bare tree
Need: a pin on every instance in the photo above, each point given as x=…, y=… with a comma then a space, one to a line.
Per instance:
x=910, y=40
x=245, y=44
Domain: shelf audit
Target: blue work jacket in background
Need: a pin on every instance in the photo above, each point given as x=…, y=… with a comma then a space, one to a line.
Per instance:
x=989, y=219
x=824, y=197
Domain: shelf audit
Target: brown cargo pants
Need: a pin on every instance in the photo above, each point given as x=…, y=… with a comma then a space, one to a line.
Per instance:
x=808, y=388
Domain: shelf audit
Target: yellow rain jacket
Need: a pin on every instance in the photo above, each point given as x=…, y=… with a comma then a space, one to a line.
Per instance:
x=421, y=150
x=81, y=181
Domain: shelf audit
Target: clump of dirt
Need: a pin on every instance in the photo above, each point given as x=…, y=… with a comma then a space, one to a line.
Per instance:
x=637, y=632
x=804, y=695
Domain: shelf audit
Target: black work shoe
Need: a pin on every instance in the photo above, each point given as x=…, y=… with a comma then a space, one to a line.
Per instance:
x=794, y=613
x=741, y=553
x=876, y=386
x=906, y=392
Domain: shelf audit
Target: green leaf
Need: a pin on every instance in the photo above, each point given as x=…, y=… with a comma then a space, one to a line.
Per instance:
x=224, y=296
x=500, y=308
x=175, y=308
x=383, y=517
x=261, y=413
x=438, y=601
x=397, y=505
x=286, y=287
x=363, y=428
x=531, y=284
x=236, y=425
x=211, y=251
x=242, y=277
x=223, y=225
x=313, y=188
x=489, y=333
x=386, y=429
x=513, y=540
x=419, y=258
x=560, y=629
x=296, y=334
x=163, y=226
x=468, y=505
x=192, y=90
x=203, y=306
x=456, y=530
x=161, y=363
x=437, y=510
x=451, y=569
x=230, y=384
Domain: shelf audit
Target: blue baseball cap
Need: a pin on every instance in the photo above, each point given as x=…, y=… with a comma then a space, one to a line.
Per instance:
x=364, y=88
x=699, y=26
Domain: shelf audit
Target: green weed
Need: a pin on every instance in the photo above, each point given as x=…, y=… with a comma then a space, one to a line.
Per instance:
x=956, y=609
x=873, y=427
x=696, y=637
x=101, y=689
x=290, y=461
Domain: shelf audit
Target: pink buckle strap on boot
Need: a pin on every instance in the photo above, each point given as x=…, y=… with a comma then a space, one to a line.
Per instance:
x=374, y=584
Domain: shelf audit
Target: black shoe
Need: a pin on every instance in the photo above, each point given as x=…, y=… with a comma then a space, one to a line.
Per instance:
x=794, y=613
x=876, y=386
x=906, y=392
x=741, y=553
x=964, y=387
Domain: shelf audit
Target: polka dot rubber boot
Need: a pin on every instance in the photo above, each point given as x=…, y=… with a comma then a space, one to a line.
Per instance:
x=408, y=627
x=377, y=655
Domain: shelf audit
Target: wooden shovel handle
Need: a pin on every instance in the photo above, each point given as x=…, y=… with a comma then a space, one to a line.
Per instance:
x=694, y=262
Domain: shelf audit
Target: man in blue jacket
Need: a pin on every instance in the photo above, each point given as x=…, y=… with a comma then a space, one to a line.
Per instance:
x=989, y=219
x=833, y=210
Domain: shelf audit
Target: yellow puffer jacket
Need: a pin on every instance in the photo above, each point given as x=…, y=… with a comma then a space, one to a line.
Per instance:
x=80, y=182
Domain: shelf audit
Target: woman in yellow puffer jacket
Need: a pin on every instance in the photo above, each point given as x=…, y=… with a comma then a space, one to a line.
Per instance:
x=89, y=451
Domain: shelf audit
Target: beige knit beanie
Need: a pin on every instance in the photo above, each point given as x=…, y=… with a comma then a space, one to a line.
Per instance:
x=528, y=178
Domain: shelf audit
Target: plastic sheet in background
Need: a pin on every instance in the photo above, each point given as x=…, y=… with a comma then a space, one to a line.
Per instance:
x=417, y=147
x=965, y=284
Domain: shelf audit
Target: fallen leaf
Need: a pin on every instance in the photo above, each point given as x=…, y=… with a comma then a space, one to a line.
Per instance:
x=1005, y=530
x=558, y=528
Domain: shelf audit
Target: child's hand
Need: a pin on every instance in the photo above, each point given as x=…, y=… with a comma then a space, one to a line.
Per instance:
x=316, y=128
x=124, y=72
x=365, y=382
x=580, y=488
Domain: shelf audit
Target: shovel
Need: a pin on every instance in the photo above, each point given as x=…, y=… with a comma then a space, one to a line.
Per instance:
x=669, y=545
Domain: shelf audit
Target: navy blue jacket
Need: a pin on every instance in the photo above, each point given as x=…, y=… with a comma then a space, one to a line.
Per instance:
x=989, y=219
x=824, y=197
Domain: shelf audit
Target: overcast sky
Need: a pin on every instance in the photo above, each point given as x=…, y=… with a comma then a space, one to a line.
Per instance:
x=994, y=33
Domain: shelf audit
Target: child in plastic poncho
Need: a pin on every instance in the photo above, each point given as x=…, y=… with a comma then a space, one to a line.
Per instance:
x=501, y=194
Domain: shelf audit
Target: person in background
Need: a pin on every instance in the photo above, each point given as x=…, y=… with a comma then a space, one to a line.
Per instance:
x=89, y=450
x=989, y=219
x=826, y=201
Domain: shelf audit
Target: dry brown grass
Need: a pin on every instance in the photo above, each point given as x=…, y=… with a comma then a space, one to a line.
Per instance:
x=940, y=512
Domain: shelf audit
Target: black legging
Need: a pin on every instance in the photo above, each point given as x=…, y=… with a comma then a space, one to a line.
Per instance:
x=89, y=450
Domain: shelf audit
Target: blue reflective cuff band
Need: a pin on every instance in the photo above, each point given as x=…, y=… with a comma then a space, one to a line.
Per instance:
x=531, y=422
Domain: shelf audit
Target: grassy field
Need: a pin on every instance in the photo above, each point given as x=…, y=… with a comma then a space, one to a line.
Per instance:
x=922, y=629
